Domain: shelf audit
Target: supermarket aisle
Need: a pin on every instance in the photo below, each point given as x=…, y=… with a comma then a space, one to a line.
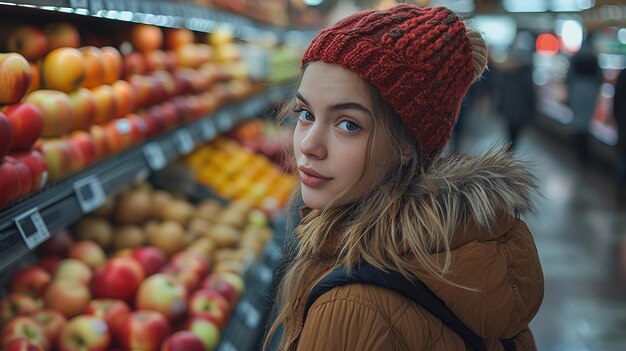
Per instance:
x=578, y=230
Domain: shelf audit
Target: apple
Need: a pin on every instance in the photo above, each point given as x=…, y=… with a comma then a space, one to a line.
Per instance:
x=58, y=156
x=161, y=292
x=208, y=332
x=134, y=63
x=125, y=97
x=182, y=341
x=89, y=252
x=195, y=262
x=118, y=134
x=32, y=281
x=50, y=263
x=171, y=61
x=15, y=77
x=85, y=333
x=70, y=297
x=106, y=103
x=17, y=304
x=170, y=114
x=35, y=77
x=56, y=110
x=26, y=123
x=6, y=135
x=94, y=66
x=113, y=64
x=52, y=322
x=114, y=312
x=151, y=259
x=175, y=37
x=57, y=245
x=211, y=305
x=61, y=34
x=63, y=69
x=24, y=328
x=27, y=41
x=99, y=138
x=183, y=78
x=24, y=179
x=184, y=111
x=83, y=142
x=118, y=278
x=230, y=285
x=140, y=128
x=9, y=183
x=73, y=269
x=158, y=93
x=188, y=55
x=144, y=330
x=155, y=60
x=83, y=105
x=146, y=38
x=22, y=344
x=186, y=277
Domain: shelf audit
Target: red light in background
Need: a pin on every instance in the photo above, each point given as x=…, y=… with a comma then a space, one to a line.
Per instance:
x=547, y=44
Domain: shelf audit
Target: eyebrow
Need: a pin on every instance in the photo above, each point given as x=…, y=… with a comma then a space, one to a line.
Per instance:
x=340, y=106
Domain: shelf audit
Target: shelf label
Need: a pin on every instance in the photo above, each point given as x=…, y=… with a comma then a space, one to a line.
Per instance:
x=227, y=346
x=32, y=228
x=264, y=274
x=208, y=130
x=154, y=155
x=184, y=142
x=248, y=314
x=224, y=121
x=90, y=193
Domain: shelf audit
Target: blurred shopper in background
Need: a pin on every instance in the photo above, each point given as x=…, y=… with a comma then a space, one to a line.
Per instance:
x=515, y=94
x=377, y=100
x=619, y=112
x=584, y=79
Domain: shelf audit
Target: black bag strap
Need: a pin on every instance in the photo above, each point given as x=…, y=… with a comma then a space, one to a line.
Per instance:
x=415, y=290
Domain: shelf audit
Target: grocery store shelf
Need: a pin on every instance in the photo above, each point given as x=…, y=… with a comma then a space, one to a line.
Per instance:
x=28, y=222
x=169, y=13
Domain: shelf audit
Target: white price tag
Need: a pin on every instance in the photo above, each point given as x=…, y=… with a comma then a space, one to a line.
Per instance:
x=264, y=274
x=184, y=142
x=32, y=228
x=227, y=346
x=224, y=121
x=248, y=314
x=154, y=155
x=208, y=130
x=90, y=193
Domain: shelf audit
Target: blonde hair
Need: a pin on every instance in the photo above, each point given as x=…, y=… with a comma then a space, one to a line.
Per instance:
x=384, y=226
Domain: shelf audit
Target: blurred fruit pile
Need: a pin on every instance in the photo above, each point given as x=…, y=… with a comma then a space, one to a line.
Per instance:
x=265, y=138
x=235, y=172
x=148, y=271
x=75, y=104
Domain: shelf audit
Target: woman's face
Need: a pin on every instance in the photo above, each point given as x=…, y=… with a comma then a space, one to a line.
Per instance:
x=334, y=122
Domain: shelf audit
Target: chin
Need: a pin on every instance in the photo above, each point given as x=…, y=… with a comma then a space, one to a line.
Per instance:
x=314, y=201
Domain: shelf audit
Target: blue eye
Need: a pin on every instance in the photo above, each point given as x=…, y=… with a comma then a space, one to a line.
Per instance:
x=349, y=126
x=304, y=115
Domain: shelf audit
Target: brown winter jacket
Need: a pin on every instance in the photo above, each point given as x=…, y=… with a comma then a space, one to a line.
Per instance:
x=499, y=259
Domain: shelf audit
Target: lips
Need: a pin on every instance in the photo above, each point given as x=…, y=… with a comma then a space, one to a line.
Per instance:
x=312, y=178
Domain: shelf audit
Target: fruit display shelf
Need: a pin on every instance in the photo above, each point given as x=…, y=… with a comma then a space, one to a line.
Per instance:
x=30, y=221
x=169, y=13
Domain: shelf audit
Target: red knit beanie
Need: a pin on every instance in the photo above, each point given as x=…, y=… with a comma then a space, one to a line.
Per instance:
x=419, y=59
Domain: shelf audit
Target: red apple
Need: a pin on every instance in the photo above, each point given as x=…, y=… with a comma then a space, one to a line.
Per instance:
x=118, y=134
x=151, y=259
x=146, y=38
x=114, y=312
x=113, y=64
x=27, y=41
x=106, y=103
x=24, y=328
x=6, y=135
x=35, y=77
x=182, y=341
x=134, y=64
x=69, y=297
x=209, y=304
x=89, y=252
x=227, y=284
x=73, y=269
x=57, y=245
x=144, y=330
x=206, y=330
x=58, y=156
x=161, y=292
x=15, y=77
x=31, y=280
x=63, y=69
x=50, y=263
x=37, y=165
x=175, y=37
x=27, y=124
x=99, y=138
x=83, y=142
x=83, y=105
x=22, y=344
x=56, y=110
x=94, y=66
x=85, y=333
x=118, y=278
x=61, y=34
x=187, y=260
x=25, y=178
x=125, y=97
x=186, y=277
x=9, y=183
x=140, y=128
x=17, y=304
x=52, y=322
x=156, y=60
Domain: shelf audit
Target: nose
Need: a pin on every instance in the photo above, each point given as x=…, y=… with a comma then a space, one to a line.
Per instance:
x=313, y=142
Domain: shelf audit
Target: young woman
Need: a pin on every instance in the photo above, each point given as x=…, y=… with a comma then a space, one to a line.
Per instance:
x=377, y=100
